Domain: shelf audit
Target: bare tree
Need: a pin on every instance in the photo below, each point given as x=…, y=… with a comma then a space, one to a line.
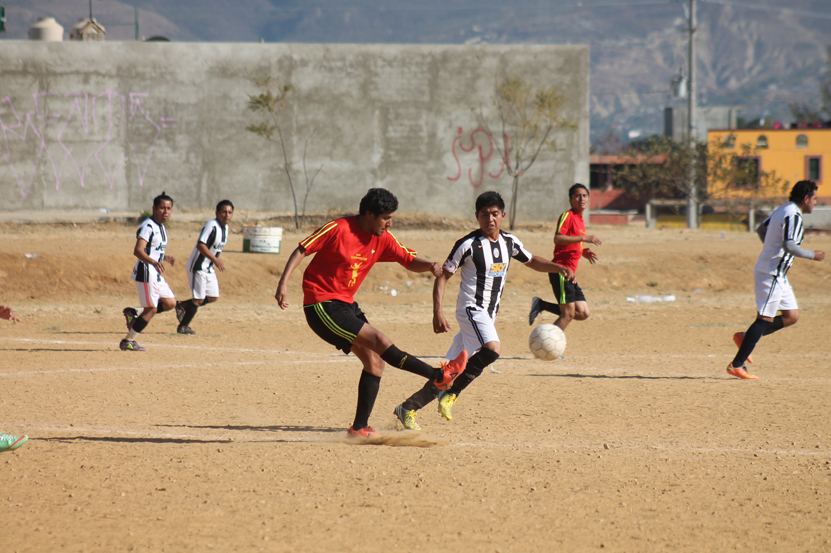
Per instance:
x=527, y=117
x=269, y=104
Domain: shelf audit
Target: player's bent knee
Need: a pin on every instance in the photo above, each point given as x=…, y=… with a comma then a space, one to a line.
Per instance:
x=495, y=347
x=373, y=364
x=477, y=363
x=372, y=339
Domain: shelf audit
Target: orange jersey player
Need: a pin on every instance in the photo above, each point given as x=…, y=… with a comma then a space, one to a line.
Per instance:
x=344, y=252
x=568, y=249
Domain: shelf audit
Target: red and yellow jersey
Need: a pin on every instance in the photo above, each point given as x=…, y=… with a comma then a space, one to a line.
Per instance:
x=344, y=254
x=570, y=224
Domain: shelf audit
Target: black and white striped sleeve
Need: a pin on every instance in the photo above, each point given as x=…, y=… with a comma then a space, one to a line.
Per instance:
x=460, y=252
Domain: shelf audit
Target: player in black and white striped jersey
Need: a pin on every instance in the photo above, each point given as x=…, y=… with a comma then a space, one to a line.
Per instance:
x=154, y=293
x=482, y=258
x=781, y=234
x=201, y=263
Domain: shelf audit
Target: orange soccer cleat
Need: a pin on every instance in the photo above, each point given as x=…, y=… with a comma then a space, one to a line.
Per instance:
x=367, y=432
x=452, y=370
x=740, y=372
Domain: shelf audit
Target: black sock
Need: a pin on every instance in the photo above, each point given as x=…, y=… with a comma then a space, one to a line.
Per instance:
x=751, y=338
x=424, y=396
x=405, y=361
x=159, y=308
x=550, y=307
x=139, y=324
x=475, y=366
x=367, y=392
x=190, y=312
x=776, y=325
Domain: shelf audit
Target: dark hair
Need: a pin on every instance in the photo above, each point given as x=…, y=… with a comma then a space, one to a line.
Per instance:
x=162, y=198
x=802, y=190
x=489, y=199
x=223, y=203
x=378, y=201
x=575, y=187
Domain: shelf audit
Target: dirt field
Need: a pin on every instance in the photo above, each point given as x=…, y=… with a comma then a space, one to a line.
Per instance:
x=234, y=439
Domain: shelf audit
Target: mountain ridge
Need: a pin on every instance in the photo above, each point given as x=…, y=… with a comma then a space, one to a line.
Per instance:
x=761, y=56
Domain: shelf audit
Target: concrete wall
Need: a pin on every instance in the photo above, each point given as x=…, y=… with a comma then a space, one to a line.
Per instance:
x=111, y=125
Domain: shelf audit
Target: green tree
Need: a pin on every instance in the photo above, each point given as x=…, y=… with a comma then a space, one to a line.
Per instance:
x=659, y=168
x=527, y=118
x=269, y=105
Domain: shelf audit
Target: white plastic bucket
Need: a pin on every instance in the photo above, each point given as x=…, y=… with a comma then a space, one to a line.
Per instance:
x=262, y=239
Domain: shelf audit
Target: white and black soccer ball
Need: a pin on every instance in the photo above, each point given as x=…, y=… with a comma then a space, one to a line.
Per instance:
x=547, y=342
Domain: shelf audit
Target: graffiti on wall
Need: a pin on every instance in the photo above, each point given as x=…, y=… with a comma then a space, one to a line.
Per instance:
x=486, y=155
x=78, y=137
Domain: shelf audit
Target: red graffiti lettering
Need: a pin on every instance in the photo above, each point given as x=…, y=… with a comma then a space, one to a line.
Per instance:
x=481, y=141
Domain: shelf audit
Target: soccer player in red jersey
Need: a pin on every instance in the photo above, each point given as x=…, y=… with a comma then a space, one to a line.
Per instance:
x=344, y=251
x=568, y=249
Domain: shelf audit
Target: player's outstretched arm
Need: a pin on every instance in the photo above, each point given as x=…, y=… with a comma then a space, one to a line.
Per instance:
x=283, y=286
x=7, y=314
x=564, y=240
x=440, y=324
x=139, y=252
x=545, y=266
x=819, y=255
x=423, y=266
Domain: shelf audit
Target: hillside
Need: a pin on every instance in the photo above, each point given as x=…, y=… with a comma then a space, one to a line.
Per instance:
x=760, y=55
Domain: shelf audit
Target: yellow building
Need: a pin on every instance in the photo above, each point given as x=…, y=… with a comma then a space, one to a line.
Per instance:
x=794, y=154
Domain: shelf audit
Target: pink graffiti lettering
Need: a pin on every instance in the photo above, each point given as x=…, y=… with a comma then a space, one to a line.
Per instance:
x=483, y=157
x=72, y=135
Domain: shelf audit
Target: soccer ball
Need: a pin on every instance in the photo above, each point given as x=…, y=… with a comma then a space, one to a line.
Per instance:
x=547, y=342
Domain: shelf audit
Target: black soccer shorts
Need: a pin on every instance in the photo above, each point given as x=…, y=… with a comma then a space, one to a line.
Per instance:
x=336, y=322
x=565, y=292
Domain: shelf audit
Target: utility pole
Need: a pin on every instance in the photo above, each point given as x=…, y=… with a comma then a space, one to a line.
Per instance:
x=692, y=199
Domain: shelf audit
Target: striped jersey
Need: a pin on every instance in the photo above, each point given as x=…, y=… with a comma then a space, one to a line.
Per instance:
x=214, y=236
x=484, y=268
x=785, y=223
x=570, y=223
x=344, y=254
x=156, y=237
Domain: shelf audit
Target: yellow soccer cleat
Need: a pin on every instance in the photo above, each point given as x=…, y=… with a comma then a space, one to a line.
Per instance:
x=446, y=402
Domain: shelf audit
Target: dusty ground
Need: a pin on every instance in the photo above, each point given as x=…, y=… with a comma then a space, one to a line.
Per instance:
x=233, y=439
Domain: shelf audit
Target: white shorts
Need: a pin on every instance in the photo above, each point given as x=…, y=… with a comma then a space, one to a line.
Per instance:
x=150, y=292
x=773, y=294
x=203, y=285
x=476, y=328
